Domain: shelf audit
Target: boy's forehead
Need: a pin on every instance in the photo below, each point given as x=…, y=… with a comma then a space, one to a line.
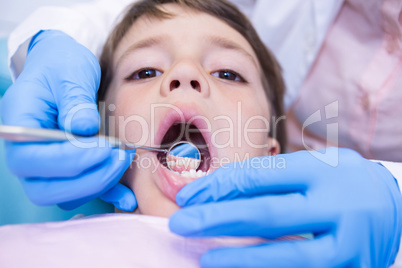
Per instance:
x=186, y=24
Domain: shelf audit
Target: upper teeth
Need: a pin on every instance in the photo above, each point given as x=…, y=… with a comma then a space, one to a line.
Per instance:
x=184, y=162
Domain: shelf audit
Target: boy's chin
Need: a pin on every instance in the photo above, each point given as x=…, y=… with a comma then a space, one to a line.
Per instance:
x=166, y=209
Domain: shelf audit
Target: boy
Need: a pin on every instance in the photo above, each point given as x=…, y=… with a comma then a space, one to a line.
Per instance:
x=188, y=70
x=171, y=70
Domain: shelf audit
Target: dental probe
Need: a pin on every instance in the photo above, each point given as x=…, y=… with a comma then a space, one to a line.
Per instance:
x=25, y=134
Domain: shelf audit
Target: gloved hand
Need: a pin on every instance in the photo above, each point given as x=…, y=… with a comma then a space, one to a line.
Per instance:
x=353, y=210
x=57, y=89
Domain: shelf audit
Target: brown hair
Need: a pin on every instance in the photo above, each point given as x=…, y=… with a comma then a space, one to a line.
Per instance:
x=271, y=71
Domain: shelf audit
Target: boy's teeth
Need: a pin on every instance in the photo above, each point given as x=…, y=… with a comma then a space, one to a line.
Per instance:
x=181, y=164
x=194, y=164
x=193, y=174
x=171, y=163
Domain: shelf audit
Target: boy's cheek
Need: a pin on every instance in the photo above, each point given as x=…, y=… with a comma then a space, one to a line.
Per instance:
x=130, y=124
x=129, y=175
x=150, y=199
x=255, y=129
x=133, y=128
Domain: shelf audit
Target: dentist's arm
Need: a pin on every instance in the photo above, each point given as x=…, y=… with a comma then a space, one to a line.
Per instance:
x=353, y=208
x=55, y=74
x=57, y=89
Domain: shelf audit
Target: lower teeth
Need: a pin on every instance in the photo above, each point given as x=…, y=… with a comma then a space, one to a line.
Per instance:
x=192, y=173
x=184, y=166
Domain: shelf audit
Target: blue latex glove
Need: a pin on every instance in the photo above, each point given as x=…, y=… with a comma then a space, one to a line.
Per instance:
x=59, y=74
x=353, y=210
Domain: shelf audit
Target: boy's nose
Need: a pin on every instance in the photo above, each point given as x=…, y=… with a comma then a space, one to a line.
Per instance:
x=185, y=76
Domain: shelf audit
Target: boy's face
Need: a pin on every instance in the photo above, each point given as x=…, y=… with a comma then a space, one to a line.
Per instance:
x=195, y=69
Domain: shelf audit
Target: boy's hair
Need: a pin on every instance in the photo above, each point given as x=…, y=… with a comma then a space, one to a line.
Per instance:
x=272, y=80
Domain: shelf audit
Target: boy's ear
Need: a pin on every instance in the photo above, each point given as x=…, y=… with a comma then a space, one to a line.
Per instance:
x=274, y=147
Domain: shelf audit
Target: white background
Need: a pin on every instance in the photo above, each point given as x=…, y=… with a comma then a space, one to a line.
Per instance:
x=14, y=11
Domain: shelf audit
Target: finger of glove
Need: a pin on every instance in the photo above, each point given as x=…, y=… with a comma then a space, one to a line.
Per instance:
x=72, y=74
x=303, y=253
x=93, y=182
x=266, y=216
x=78, y=111
x=121, y=197
x=76, y=203
x=249, y=178
x=28, y=104
x=60, y=159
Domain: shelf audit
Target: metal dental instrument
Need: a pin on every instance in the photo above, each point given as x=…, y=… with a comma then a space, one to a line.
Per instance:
x=25, y=134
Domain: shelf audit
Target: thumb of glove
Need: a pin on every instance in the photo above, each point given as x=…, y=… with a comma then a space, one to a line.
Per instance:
x=78, y=112
x=72, y=74
x=78, y=117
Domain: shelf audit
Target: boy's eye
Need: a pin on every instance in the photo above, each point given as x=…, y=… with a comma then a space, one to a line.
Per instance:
x=144, y=74
x=228, y=75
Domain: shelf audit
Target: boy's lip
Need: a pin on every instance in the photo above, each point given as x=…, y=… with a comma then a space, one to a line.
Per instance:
x=170, y=182
x=189, y=114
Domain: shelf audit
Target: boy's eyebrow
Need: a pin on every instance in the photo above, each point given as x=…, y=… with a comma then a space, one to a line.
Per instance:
x=212, y=40
x=149, y=42
x=229, y=44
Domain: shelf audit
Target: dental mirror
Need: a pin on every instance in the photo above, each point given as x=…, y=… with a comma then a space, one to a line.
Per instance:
x=184, y=154
x=181, y=152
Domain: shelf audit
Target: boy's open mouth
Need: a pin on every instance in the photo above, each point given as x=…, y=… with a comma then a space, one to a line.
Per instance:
x=187, y=167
